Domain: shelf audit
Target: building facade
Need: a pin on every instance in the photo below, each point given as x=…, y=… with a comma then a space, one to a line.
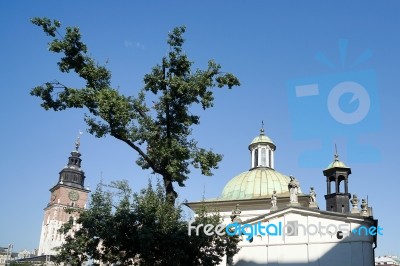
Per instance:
x=7, y=255
x=69, y=192
x=387, y=260
x=280, y=225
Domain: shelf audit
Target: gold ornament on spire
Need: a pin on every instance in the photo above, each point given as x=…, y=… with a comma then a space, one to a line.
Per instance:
x=78, y=141
x=336, y=154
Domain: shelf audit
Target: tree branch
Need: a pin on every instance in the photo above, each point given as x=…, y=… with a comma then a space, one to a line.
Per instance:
x=136, y=148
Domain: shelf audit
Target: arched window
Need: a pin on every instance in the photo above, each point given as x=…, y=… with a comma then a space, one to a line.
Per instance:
x=341, y=186
x=332, y=186
x=256, y=158
x=263, y=157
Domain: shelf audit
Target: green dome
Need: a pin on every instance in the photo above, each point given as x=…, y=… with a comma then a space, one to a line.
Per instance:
x=256, y=183
x=261, y=139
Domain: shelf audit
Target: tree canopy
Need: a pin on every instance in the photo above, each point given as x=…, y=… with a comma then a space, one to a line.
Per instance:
x=140, y=229
x=159, y=133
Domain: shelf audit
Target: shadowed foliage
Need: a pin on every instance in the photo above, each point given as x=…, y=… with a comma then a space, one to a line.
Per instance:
x=141, y=229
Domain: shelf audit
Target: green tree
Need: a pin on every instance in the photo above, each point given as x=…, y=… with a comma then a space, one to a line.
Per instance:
x=161, y=133
x=141, y=228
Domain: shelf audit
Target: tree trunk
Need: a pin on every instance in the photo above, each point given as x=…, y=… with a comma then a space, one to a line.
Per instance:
x=170, y=193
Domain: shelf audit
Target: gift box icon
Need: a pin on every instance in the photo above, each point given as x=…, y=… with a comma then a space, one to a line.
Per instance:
x=338, y=105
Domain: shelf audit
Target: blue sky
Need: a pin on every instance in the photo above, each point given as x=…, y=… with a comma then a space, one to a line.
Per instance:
x=270, y=45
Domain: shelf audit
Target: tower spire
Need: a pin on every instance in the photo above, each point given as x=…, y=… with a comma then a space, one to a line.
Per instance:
x=262, y=128
x=78, y=141
x=336, y=156
x=72, y=175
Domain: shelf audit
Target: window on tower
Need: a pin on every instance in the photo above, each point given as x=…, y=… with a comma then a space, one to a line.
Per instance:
x=332, y=186
x=263, y=157
x=269, y=158
x=341, y=185
x=256, y=158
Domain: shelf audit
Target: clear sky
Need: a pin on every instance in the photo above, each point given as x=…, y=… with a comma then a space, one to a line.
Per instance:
x=272, y=46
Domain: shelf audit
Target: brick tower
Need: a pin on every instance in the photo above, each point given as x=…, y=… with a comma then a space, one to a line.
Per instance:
x=68, y=192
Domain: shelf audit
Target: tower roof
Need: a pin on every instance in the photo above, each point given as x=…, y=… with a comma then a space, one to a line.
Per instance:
x=336, y=163
x=262, y=138
x=72, y=174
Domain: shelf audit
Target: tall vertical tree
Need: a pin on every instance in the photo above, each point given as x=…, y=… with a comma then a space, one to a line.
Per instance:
x=160, y=133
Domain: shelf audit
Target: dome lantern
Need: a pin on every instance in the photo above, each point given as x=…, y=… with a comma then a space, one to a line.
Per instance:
x=262, y=151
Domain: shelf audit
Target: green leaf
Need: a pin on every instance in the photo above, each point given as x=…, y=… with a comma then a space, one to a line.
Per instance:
x=160, y=133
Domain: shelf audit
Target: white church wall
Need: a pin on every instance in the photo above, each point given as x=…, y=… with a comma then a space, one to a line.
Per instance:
x=245, y=215
x=368, y=254
x=357, y=253
x=256, y=255
x=335, y=254
x=305, y=248
x=327, y=254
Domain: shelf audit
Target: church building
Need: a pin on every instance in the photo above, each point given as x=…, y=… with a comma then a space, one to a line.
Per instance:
x=292, y=229
x=68, y=192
